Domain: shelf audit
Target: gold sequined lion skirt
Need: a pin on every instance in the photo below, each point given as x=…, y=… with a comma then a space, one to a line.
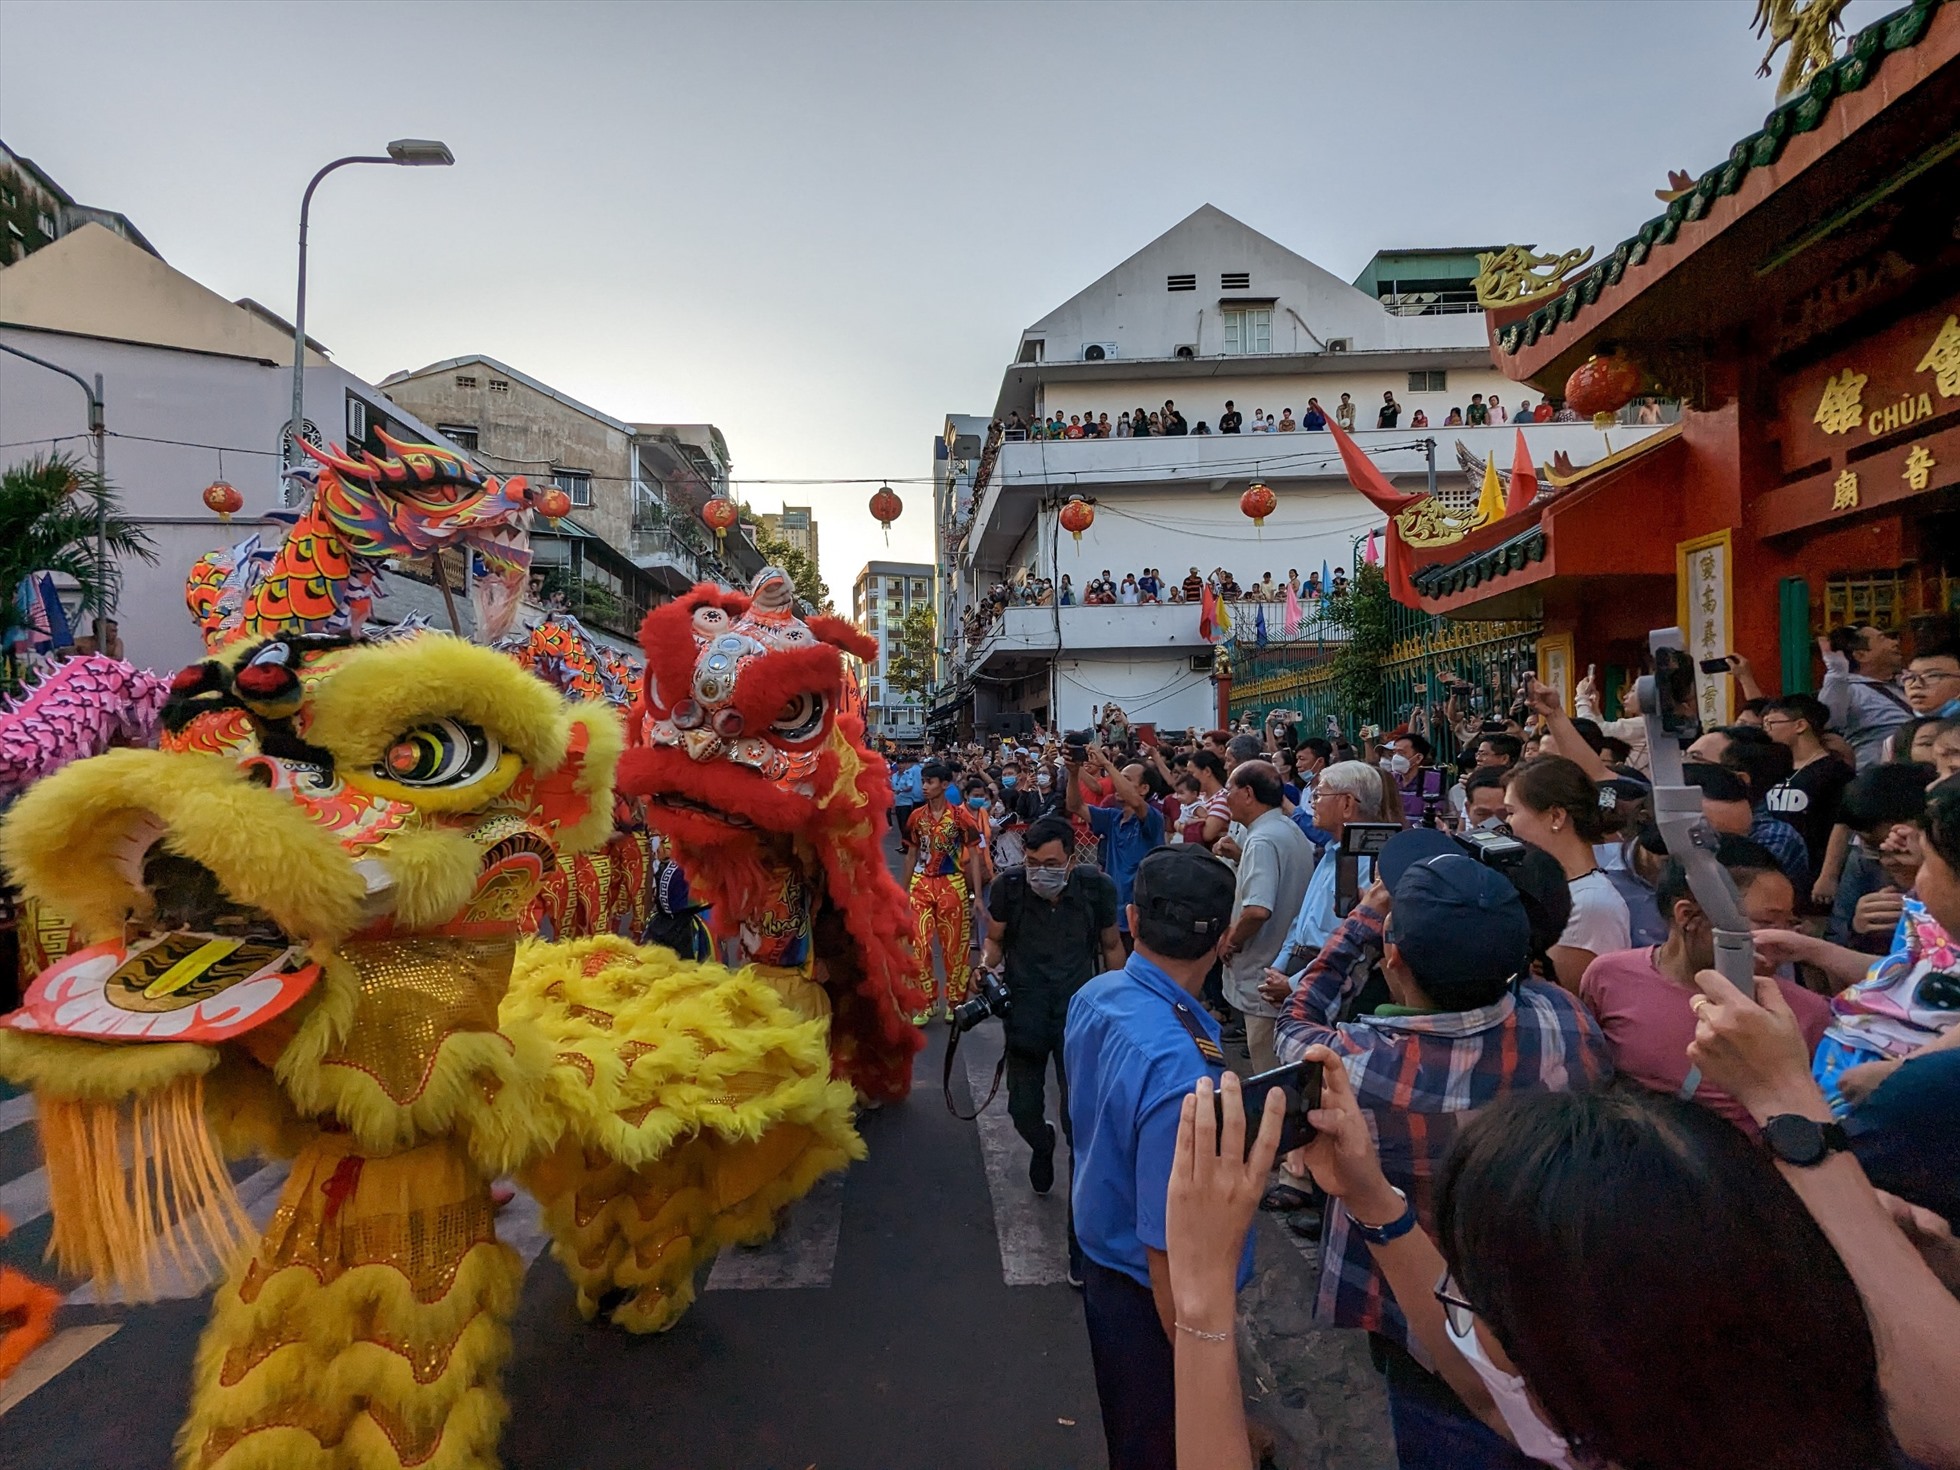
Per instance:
x=369, y=1328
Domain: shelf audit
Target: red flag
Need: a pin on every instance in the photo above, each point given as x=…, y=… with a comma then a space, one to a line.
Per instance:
x=1363, y=474
x=1370, y=555
x=1205, y=605
x=1524, y=479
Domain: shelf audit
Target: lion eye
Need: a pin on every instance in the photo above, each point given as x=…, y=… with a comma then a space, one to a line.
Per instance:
x=801, y=718
x=440, y=753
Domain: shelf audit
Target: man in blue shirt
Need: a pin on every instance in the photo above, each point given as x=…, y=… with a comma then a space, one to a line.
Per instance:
x=1347, y=791
x=1129, y=830
x=908, y=790
x=1136, y=1043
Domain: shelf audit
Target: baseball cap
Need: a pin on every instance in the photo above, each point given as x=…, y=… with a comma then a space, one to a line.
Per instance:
x=1183, y=897
x=1455, y=921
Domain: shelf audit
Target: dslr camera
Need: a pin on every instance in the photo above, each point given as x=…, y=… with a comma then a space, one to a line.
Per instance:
x=1498, y=850
x=990, y=998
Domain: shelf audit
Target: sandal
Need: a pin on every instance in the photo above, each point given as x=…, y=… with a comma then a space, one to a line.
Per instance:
x=1285, y=1199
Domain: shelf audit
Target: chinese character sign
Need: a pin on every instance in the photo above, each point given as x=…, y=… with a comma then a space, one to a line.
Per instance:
x=1942, y=359
x=1840, y=408
x=1703, y=570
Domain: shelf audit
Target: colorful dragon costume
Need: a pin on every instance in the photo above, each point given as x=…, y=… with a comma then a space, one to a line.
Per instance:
x=323, y=576
x=777, y=811
x=301, y=925
x=80, y=707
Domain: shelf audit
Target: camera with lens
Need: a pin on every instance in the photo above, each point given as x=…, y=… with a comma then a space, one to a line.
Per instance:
x=1498, y=850
x=990, y=998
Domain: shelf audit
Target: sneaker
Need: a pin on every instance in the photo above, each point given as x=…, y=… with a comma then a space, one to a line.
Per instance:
x=919, y=1018
x=1041, y=1168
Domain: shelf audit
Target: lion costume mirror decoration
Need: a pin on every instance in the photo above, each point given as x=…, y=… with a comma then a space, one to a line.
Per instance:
x=299, y=933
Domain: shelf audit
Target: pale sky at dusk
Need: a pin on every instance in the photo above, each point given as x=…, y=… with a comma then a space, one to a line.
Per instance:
x=822, y=227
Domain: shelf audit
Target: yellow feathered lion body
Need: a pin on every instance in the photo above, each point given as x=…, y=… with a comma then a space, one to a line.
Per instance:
x=299, y=929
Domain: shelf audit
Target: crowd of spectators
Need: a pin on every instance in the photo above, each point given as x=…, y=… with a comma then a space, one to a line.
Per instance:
x=1150, y=587
x=1170, y=421
x=1552, y=1140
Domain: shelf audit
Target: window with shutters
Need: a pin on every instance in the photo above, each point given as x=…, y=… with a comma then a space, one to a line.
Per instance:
x=1248, y=332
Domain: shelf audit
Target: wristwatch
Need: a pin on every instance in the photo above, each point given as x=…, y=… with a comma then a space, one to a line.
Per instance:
x=1803, y=1142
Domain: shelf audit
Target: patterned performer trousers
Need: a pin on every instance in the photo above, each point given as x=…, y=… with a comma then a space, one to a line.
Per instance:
x=942, y=907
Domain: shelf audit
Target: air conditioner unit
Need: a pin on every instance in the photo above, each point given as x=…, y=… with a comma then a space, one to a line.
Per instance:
x=1185, y=350
x=1340, y=344
x=1097, y=351
x=1201, y=663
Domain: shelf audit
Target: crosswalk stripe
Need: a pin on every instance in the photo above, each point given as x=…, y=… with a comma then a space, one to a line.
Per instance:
x=16, y=1111
x=1032, y=1228
x=802, y=1252
x=24, y=1198
x=257, y=1192
x=55, y=1356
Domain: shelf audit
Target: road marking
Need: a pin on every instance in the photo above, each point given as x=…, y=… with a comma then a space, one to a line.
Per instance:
x=520, y=1225
x=257, y=1192
x=1032, y=1228
x=16, y=1111
x=56, y=1355
x=24, y=1199
x=802, y=1252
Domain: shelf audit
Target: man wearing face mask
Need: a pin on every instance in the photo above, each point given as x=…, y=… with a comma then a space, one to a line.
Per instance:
x=1483, y=799
x=1051, y=927
x=1411, y=755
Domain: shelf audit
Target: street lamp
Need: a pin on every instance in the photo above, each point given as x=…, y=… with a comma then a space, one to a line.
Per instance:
x=407, y=152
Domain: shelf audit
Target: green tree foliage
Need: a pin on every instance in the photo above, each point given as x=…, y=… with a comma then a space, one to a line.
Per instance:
x=1364, y=615
x=809, y=582
x=49, y=513
x=910, y=662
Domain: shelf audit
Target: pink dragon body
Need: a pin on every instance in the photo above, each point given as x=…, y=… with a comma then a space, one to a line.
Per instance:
x=79, y=708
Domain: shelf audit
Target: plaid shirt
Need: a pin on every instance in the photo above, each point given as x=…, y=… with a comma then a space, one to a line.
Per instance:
x=1417, y=1077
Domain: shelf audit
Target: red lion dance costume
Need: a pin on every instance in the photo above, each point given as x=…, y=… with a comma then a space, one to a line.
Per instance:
x=777, y=811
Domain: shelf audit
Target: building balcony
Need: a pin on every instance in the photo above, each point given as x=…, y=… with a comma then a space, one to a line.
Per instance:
x=1027, y=472
x=1022, y=638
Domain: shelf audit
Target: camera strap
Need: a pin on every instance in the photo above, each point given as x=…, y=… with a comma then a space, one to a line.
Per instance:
x=946, y=1078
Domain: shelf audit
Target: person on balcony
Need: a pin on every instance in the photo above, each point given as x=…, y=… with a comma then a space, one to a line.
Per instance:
x=1102, y=427
x=1260, y=423
x=1344, y=413
x=1194, y=586
x=1123, y=425
x=1455, y=420
x=1230, y=421
x=1419, y=421
x=1390, y=413
x=1068, y=591
x=1128, y=595
x=1149, y=586
x=1286, y=424
x=1074, y=429
x=1499, y=414
x=1140, y=425
x=1315, y=418
x=1479, y=416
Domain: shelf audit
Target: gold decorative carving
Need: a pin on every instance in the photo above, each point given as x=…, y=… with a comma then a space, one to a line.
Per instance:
x=1430, y=523
x=1809, y=28
x=1517, y=274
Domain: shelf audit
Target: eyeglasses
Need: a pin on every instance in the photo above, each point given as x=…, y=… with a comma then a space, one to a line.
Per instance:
x=1927, y=676
x=1456, y=1310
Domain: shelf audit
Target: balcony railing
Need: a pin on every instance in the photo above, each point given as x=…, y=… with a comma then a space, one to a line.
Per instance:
x=1042, y=629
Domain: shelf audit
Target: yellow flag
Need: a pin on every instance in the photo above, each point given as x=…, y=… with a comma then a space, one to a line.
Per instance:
x=1490, y=499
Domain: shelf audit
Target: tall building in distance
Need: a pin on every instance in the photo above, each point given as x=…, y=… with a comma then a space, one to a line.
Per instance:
x=795, y=526
x=884, y=592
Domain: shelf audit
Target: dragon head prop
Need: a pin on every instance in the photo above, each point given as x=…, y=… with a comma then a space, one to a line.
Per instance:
x=752, y=767
x=320, y=580
x=312, y=799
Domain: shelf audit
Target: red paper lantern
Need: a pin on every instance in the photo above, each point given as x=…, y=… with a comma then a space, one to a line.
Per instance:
x=554, y=504
x=720, y=514
x=1602, y=386
x=1077, y=516
x=1258, y=502
x=886, y=507
x=223, y=497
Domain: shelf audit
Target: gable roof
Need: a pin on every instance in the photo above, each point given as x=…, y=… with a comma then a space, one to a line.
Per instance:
x=93, y=282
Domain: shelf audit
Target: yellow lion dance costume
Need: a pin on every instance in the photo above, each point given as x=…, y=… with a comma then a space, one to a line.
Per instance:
x=301, y=927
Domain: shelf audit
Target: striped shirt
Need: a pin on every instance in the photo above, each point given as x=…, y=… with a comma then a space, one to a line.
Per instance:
x=1417, y=1076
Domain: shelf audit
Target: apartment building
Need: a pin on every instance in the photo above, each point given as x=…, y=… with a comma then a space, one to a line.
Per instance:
x=796, y=527
x=882, y=594
x=1208, y=313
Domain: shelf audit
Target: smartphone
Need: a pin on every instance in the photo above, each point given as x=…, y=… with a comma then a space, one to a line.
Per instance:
x=1713, y=666
x=1674, y=683
x=1300, y=1082
x=1492, y=727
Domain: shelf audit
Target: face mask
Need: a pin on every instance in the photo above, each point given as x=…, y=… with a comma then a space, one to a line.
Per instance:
x=1048, y=882
x=977, y=803
x=1010, y=781
x=1534, y=1436
x=1399, y=764
x=1042, y=780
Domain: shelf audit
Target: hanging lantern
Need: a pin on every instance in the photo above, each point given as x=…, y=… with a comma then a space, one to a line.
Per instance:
x=223, y=497
x=1602, y=386
x=1077, y=516
x=886, y=507
x=1258, y=502
x=720, y=514
x=554, y=504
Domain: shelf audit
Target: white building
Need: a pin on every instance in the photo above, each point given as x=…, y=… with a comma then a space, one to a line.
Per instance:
x=884, y=592
x=1208, y=312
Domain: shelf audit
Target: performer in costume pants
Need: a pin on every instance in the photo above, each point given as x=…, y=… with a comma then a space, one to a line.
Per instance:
x=940, y=843
x=944, y=909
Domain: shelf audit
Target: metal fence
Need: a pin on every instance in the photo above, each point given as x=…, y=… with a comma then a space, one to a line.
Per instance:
x=1428, y=658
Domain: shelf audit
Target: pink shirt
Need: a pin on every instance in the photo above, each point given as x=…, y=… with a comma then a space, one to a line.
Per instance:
x=1649, y=1023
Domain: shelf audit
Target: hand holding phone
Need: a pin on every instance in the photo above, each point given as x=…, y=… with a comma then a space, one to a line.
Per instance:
x=1298, y=1082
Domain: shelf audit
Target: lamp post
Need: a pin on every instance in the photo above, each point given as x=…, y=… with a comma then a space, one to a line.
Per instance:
x=98, y=428
x=409, y=153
